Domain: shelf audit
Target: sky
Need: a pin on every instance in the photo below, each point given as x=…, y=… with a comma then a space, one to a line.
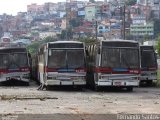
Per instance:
x=14, y=6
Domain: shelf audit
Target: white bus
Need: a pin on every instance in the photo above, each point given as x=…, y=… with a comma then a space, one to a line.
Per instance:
x=62, y=63
x=113, y=63
x=148, y=64
x=14, y=65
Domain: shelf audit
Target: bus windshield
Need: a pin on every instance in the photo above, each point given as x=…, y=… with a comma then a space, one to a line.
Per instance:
x=75, y=58
x=66, y=59
x=148, y=58
x=120, y=58
x=57, y=59
x=20, y=59
x=13, y=60
x=4, y=61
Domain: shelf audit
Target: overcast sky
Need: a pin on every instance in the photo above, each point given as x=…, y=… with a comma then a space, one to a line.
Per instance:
x=14, y=6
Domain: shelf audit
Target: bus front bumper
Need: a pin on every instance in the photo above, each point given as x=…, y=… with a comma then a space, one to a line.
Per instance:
x=120, y=83
x=60, y=82
x=147, y=77
x=25, y=77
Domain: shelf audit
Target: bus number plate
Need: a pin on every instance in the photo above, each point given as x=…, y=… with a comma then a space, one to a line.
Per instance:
x=117, y=83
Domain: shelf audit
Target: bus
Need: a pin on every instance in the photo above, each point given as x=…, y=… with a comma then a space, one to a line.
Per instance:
x=34, y=67
x=113, y=63
x=62, y=63
x=149, y=64
x=14, y=65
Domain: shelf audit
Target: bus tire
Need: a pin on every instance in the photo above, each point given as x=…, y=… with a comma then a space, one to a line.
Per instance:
x=48, y=87
x=149, y=83
x=130, y=89
x=96, y=88
x=26, y=83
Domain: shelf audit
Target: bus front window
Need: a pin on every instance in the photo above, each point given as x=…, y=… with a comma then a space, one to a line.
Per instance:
x=148, y=58
x=129, y=58
x=20, y=59
x=75, y=58
x=57, y=59
x=120, y=58
x=4, y=61
x=110, y=57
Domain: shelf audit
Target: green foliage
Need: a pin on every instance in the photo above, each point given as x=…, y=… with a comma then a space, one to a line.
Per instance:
x=158, y=45
x=87, y=41
x=33, y=48
x=65, y=35
x=75, y=22
x=130, y=2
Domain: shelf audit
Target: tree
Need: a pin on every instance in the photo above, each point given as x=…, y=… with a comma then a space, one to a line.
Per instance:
x=75, y=22
x=87, y=40
x=130, y=2
x=66, y=34
x=33, y=48
x=158, y=45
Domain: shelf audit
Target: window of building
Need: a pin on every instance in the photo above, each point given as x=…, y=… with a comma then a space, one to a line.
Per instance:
x=100, y=27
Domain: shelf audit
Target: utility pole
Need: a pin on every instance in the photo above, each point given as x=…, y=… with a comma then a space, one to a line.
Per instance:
x=124, y=22
x=96, y=29
x=68, y=18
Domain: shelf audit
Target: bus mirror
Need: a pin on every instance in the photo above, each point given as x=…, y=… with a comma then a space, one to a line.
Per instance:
x=50, y=53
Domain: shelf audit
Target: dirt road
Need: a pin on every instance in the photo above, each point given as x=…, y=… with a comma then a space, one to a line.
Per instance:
x=28, y=100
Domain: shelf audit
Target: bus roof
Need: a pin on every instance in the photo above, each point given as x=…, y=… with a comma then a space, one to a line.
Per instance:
x=120, y=40
x=147, y=47
x=64, y=42
x=8, y=48
x=12, y=49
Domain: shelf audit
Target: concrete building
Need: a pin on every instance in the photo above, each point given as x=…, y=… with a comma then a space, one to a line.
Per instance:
x=140, y=30
x=90, y=12
x=103, y=28
x=34, y=8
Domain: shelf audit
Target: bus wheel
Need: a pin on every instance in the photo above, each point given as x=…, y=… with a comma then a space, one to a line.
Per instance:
x=96, y=88
x=48, y=87
x=27, y=84
x=129, y=89
x=149, y=83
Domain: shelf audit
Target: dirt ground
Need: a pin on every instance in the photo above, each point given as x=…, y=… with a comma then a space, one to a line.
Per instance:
x=28, y=100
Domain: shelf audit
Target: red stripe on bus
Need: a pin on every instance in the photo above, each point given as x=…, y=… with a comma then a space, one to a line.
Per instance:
x=50, y=69
x=110, y=71
x=80, y=70
x=25, y=69
x=3, y=71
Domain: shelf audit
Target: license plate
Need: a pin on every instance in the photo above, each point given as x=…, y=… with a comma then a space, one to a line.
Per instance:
x=63, y=78
x=117, y=83
x=66, y=83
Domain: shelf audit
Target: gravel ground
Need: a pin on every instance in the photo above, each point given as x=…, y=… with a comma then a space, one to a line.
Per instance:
x=28, y=100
